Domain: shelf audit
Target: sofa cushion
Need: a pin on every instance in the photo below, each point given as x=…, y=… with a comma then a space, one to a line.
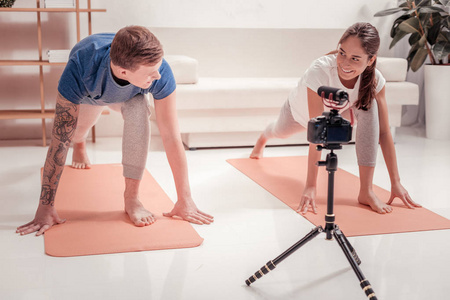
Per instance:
x=184, y=68
x=402, y=93
x=235, y=93
x=392, y=68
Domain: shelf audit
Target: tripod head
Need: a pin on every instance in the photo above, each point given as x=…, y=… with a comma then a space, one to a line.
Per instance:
x=329, y=147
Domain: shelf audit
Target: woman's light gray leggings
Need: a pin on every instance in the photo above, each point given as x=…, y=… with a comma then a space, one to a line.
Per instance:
x=367, y=131
x=136, y=131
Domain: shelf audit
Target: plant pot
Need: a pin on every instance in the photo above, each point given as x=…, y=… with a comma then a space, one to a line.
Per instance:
x=437, y=101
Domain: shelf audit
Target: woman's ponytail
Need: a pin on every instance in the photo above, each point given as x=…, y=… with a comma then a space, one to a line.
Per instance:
x=367, y=88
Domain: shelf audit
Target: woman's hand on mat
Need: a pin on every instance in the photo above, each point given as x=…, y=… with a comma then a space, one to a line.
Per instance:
x=187, y=210
x=398, y=191
x=45, y=218
x=308, y=199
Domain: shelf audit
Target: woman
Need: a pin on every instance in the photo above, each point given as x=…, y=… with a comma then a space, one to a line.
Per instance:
x=351, y=68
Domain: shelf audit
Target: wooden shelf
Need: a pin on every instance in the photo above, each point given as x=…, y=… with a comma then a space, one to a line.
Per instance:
x=13, y=9
x=30, y=63
x=43, y=113
x=32, y=114
x=26, y=114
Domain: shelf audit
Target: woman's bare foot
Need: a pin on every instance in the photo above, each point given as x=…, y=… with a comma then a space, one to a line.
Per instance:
x=370, y=199
x=137, y=213
x=80, y=158
x=258, y=150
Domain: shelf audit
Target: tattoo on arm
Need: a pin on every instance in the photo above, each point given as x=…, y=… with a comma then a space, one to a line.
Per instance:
x=64, y=126
x=47, y=195
x=49, y=172
x=65, y=123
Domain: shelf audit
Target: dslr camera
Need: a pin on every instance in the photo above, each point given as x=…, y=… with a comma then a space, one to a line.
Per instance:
x=330, y=127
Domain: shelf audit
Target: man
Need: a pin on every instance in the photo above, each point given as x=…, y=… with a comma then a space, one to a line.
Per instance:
x=116, y=71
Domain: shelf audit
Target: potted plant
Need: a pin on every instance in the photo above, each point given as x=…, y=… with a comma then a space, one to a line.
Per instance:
x=7, y=3
x=427, y=23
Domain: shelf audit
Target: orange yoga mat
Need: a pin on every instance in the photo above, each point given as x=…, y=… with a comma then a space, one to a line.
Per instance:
x=285, y=177
x=92, y=202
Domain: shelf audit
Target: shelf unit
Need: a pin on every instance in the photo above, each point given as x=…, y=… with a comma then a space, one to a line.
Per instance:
x=44, y=113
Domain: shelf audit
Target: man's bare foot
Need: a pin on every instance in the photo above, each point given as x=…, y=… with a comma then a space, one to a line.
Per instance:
x=258, y=150
x=138, y=214
x=80, y=158
x=376, y=204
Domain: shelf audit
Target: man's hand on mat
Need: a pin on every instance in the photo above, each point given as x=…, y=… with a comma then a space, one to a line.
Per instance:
x=398, y=191
x=45, y=218
x=308, y=199
x=187, y=210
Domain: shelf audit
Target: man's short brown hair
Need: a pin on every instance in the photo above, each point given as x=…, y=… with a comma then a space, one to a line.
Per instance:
x=133, y=46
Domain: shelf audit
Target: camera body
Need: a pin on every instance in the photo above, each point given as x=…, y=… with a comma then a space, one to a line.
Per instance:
x=330, y=127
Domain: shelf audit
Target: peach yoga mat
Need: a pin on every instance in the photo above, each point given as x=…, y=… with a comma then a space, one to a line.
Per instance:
x=92, y=202
x=285, y=177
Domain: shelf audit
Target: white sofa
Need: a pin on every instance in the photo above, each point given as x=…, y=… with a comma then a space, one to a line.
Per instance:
x=229, y=112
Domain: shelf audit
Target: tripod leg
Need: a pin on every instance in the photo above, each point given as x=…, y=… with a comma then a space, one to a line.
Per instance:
x=352, y=250
x=269, y=266
x=354, y=261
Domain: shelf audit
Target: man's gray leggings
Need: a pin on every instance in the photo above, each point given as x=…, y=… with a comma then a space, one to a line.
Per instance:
x=367, y=131
x=136, y=131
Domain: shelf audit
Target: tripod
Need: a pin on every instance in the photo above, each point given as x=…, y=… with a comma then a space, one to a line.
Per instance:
x=331, y=229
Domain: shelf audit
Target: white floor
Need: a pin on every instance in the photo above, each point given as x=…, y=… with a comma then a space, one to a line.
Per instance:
x=251, y=227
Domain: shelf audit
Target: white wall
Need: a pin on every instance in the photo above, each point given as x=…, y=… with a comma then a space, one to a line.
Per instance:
x=290, y=14
x=19, y=86
x=238, y=13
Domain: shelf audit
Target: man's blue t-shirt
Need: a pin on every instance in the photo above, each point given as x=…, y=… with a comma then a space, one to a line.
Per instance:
x=87, y=78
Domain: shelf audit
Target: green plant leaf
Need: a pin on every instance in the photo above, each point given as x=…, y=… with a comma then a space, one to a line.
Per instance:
x=443, y=2
x=411, y=54
x=441, y=50
x=411, y=25
x=430, y=9
x=389, y=11
x=433, y=33
x=422, y=40
x=411, y=12
x=424, y=20
x=413, y=49
x=414, y=38
x=397, y=37
x=437, y=18
x=409, y=58
x=397, y=22
x=443, y=37
x=419, y=59
x=422, y=3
